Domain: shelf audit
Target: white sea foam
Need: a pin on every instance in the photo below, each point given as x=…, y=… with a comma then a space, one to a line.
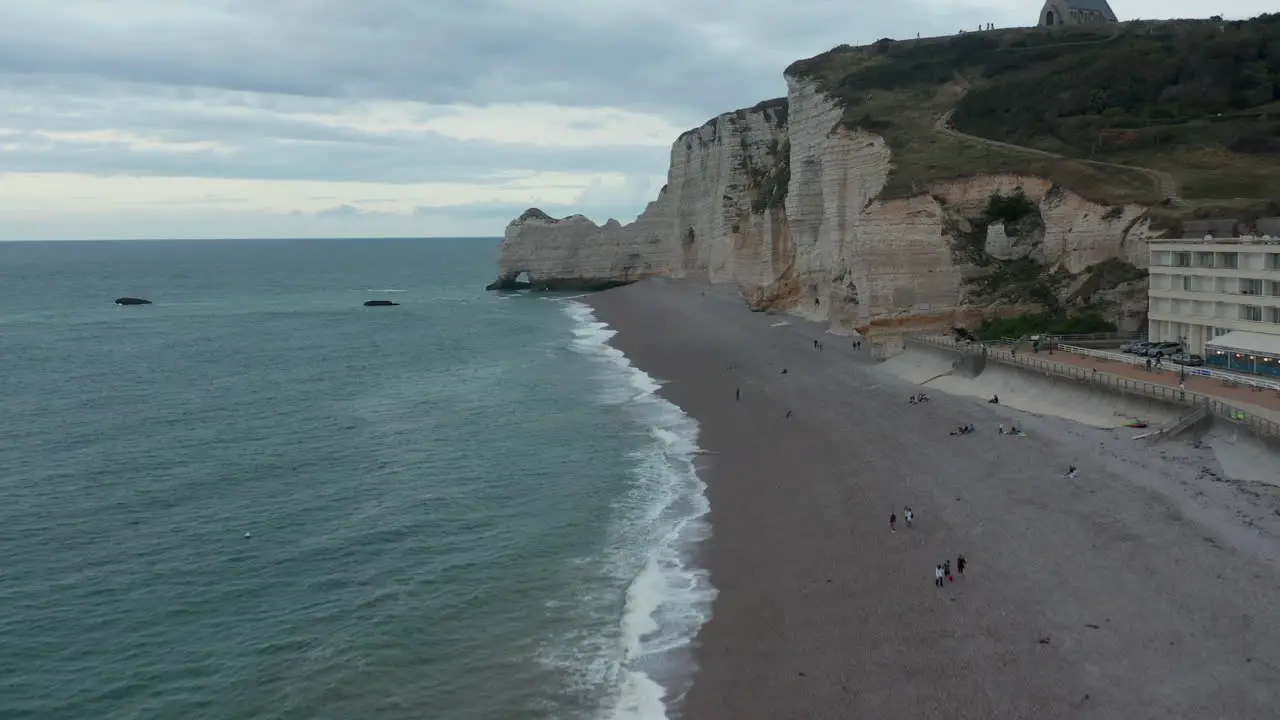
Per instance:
x=664, y=516
x=382, y=290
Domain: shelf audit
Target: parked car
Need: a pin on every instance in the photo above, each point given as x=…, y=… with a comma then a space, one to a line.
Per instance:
x=1136, y=347
x=1161, y=349
x=1186, y=359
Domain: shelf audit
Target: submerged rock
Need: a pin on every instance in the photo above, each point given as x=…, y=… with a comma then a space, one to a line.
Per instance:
x=132, y=301
x=380, y=303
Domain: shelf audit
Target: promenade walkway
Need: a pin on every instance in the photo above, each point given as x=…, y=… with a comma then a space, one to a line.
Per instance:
x=1264, y=403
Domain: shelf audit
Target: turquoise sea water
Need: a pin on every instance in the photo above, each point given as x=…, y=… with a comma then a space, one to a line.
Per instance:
x=258, y=499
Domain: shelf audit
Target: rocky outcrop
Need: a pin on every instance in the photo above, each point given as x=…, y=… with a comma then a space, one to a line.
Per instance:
x=380, y=303
x=132, y=301
x=785, y=201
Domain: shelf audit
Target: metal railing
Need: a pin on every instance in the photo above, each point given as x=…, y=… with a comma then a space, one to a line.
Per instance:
x=1156, y=391
x=1057, y=337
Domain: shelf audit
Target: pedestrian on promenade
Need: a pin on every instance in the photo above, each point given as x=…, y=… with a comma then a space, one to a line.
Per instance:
x=893, y=522
x=960, y=563
x=737, y=393
x=946, y=570
x=937, y=576
x=909, y=515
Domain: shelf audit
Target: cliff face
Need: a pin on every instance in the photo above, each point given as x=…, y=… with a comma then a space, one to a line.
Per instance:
x=785, y=202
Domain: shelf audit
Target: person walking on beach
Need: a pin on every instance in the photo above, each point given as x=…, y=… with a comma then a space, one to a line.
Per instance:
x=960, y=563
x=737, y=393
x=909, y=515
x=946, y=570
x=893, y=522
x=937, y=576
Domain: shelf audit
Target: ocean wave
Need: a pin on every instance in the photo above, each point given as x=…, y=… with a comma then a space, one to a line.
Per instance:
x=383, y=290
x=660, y=522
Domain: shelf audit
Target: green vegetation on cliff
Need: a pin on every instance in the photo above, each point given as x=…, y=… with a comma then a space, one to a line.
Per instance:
x=1199, y=100
x=1056, y=323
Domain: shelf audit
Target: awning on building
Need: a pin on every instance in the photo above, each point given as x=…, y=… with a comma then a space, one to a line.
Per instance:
x=1247, y=342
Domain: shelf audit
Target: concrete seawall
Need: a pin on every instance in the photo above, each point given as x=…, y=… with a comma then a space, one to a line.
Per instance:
x=1028, y=390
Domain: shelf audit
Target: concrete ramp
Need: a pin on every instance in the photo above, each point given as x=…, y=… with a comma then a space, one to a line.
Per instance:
x=1244, y=456
x=919, y=364
x=1045, y=394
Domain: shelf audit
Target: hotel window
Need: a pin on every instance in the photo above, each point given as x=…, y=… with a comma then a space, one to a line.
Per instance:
x=1219, y=332
x=1273, y=261
x=1231, y=261
x=1252, y=313
x=1273, y=315
x=1186, y=283
x=1182, y=259
x=1250, y=287
x=1204, y=259
x=1273, y=288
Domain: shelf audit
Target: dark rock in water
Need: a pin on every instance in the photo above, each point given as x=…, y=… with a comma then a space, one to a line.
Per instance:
x=132, y=301
x=380, y=303
x=503, y=283
x=508, y=281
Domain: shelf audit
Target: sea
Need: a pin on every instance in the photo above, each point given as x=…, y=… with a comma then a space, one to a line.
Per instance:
x=258, y=499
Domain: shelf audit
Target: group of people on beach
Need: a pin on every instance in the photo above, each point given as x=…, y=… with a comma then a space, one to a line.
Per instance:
x=918, y=398
x=944, y=571
x=908, y=515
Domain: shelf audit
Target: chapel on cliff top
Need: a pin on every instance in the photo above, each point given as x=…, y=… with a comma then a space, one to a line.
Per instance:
x=1076, y=12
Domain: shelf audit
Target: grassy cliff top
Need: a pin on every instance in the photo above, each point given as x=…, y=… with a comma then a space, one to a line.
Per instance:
x=1198, y=100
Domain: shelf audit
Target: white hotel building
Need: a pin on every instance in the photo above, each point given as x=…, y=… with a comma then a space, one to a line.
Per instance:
x=1221, y=298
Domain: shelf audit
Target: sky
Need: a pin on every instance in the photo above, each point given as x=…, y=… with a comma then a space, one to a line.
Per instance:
x=405, y=118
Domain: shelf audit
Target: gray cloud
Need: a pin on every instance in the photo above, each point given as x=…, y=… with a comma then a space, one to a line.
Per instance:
x=271, y=68
x=658, y=54
x=430, y=158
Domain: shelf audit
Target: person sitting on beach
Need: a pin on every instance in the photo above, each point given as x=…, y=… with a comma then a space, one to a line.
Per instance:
x=995, y=400
x=924, y=398
x=1000, y=428
x=1071, y=471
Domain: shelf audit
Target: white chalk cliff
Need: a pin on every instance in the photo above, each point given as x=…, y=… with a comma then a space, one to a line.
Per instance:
x=783, y=201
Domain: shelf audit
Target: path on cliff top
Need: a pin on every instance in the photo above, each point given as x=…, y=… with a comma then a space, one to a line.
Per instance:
x=1166, y=184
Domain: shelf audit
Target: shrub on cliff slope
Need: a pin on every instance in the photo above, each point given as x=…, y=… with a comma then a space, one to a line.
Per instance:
x=1042, y=323
x=1199, y=99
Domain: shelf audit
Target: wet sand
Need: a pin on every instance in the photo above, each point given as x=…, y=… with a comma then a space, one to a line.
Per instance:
x=1146, y=587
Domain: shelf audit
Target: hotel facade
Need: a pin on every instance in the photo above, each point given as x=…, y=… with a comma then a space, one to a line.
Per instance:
x=1220, y=297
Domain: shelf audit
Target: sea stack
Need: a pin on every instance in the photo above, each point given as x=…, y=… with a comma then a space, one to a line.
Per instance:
x=132, y=301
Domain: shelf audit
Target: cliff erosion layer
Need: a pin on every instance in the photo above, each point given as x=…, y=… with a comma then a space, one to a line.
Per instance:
x=784, y=200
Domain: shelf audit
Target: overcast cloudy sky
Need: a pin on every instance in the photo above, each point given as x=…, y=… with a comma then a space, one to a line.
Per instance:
x=309, y=118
